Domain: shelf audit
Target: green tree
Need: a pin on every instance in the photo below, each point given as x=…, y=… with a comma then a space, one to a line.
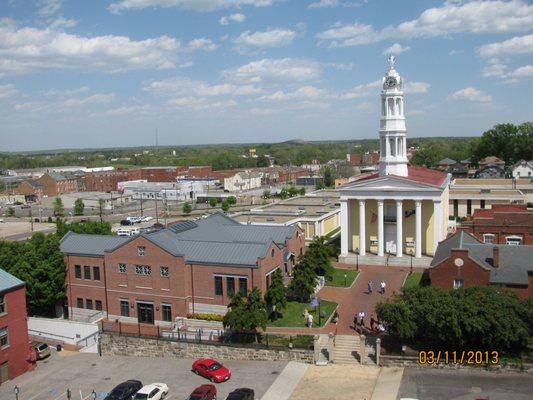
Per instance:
x=293, y=191
x=304, y=280
x=186, y=209
x=302, y=191
x=246, y=316
x=79, y=206
x=319, y=254
x=267, y=194
x=275, y=296
x=320, y=186
x=232, y=200
x=329, y=176
x=225, y=206
x=213, y=202
x=429, y=155
x=284, y=193
x=89, y=227
x=10, y=212
x=263, y=161
x=58, y=207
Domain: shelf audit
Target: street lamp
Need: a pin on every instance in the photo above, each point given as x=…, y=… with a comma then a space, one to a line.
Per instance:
x=17, y=391
x=357, y=258
x=345, y=279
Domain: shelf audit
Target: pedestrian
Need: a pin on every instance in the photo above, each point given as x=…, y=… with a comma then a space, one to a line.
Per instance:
x=383, y=285
x=355, y=321
x=309, y=320
x=372, y=322
x=369, y=287
x=362, y=319
x=335, y=318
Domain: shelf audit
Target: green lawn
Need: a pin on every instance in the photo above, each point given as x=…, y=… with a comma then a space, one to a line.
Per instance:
x=413, y=280
x=293, y=314
x=338, y=277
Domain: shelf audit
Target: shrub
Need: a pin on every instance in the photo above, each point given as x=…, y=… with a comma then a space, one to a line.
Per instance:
x=206, y=316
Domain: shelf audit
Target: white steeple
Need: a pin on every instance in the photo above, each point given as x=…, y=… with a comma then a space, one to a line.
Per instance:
x=392, y=132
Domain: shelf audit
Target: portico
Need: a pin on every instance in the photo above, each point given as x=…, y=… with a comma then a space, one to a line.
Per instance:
x=402, y=210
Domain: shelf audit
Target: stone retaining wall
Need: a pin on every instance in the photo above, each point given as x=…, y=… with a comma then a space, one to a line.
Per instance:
x=114, y=344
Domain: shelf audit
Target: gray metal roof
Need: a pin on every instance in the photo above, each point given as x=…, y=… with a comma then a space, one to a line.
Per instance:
x=57, y=176
x=8, y=281
x=92, y=245
x=447, y=161
x=216, y=239
x=514, y=261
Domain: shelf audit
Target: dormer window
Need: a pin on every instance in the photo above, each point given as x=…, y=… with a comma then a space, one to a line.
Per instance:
x=488, y=238
x=141, y=250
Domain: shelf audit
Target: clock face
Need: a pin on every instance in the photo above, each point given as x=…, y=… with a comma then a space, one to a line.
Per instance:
x=390, y=82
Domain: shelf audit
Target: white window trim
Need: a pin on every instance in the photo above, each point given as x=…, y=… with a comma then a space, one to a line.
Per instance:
x=3, y=301
x=491, y=235
x=457, y=286
x=5, y=328
x=513, y=239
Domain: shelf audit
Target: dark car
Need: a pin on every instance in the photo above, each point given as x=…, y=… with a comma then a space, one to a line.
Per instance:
x=241, y=394
x=125, y=222
x=125, y=390
x=204, y=392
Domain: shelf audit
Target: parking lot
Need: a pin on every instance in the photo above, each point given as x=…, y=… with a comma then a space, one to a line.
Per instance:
x=465, y=384
x=83, y=373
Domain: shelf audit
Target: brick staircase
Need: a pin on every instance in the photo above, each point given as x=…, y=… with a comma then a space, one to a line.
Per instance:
x=347, y=350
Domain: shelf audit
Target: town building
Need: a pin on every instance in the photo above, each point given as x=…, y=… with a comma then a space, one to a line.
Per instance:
x=401, y=209
x=490, y=172
x=501, y=224
x=457, y=170
x=445, y=163
x=31, y=189
x=162, y=174
x=55, y=183
x=491, y=160
x=310, y=180
x=189, y=267
x=107, y=181
x=463, y=261
x=242, y=180
x=16, y=357
x=523, y=170
x=95, y=200
x=468, y=195
x=316, y=213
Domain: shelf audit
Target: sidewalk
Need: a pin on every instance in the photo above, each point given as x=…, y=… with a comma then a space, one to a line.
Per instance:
x=388, y=384
x=286, y=382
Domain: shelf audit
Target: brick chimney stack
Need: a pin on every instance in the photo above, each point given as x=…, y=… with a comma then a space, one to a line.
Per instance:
x=495, y=256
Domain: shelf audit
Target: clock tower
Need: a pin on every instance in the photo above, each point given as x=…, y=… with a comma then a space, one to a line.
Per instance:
x=392, y=131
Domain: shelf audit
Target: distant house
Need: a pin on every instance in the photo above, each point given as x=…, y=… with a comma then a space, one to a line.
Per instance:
x=523, y=169
x=54, y=183
x=445, y=163
x=490, y=172
x=242, y=180
x=15, y=354
x=309, y=180
x=491, y=160
x=31, y=189
x=457, y=170
x=463, y=261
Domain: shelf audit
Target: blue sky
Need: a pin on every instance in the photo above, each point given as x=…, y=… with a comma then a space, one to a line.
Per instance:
x=109, y=73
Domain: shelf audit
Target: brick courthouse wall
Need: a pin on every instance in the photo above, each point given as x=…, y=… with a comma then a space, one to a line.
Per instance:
x=114, y=344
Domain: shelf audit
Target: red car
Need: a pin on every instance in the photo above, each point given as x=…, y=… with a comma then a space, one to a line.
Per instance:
x=204, y=392
x=211, y=369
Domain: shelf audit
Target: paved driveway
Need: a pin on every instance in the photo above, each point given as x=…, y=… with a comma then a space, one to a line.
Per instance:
x=83, y=373
x=432, y=384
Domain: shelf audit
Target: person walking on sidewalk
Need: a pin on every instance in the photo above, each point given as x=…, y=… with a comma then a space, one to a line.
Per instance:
x=369, y=287
x=309, y=320
x=383, y=285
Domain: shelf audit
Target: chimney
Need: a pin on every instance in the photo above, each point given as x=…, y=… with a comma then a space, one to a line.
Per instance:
x=495, y=257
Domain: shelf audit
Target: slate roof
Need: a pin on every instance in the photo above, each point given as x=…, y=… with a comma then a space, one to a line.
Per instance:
x=447, y=161
x=514, y=264
x=416, y=174
x=57, y=176
x=8, y=281
x=216, y=239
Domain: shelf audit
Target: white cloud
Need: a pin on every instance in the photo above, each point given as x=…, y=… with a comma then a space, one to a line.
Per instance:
x=416, y=87
x=341, y=66
x=518, y=45
x=471, y=94
x=395, y=49
x=59, y=101
x=200, y=103
x=125, y=110
x=269, y=38
x=238, y=17
x=186, y=87
x=62, y=22
x=7, y=91
x=303, y=93
x=522, y=72
x=99, y=98
x=49, y=7
x=202, y=44
x=373, y=88
x=333, y=3
x=268, y=69
x=195, y=5
x=478, y=17
x=65, y=92
x=497, y=70
x=366, y=107
x=26, y=50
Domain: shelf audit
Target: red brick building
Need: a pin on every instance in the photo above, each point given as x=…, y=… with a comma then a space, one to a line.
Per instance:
x=502, y=224
x=162, y=174
x=462, y=261
x=15, y=354
x=107, y=181
x=189, y=267
x=55, y=184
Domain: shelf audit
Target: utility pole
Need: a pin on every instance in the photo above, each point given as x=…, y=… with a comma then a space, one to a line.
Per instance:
x=31, y=219
x=156, y=213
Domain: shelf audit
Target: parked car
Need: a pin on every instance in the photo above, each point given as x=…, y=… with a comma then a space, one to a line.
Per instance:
x=42, y=350
x=146, y=218
x=211, y=369
x=204, y=392
x=134, y=220
x=241, y=394
x=126, y=222
x=125, y=390
x=155, y=391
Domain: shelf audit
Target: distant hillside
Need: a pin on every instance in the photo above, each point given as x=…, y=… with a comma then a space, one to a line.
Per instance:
x=297, y=142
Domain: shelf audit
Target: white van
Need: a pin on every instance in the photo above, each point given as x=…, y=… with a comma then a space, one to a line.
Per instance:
x=123, y=232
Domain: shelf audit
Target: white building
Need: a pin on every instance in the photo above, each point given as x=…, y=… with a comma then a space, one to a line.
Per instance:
x=523, y=169
x=182, y=190
x=242, y=181
x=401, y=209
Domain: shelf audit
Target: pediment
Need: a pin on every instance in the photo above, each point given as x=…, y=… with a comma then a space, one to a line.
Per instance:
x=386, y=183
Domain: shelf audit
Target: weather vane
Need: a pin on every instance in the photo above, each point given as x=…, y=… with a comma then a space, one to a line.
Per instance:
x=392, y=61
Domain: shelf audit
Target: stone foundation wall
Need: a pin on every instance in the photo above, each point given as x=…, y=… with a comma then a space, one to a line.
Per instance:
x=114, y=344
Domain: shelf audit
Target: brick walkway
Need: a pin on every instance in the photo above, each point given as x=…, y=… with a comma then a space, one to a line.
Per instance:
x=354, y=299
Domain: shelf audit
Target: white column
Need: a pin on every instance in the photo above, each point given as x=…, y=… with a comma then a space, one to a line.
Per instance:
x=418, y=237
x=399, y=228
x=437, y=229
x=344, y=227
x=362, y=228
x=380, y=228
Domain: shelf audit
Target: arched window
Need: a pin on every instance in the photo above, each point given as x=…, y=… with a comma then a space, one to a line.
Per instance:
x=400, y=107
x=392, y=147
x=390, y=110
x=272, y=253
x=383, y=110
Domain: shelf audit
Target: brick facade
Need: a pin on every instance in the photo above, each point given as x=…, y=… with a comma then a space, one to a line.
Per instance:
x=17, y=354
x=106, y=181
x=55, y=187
